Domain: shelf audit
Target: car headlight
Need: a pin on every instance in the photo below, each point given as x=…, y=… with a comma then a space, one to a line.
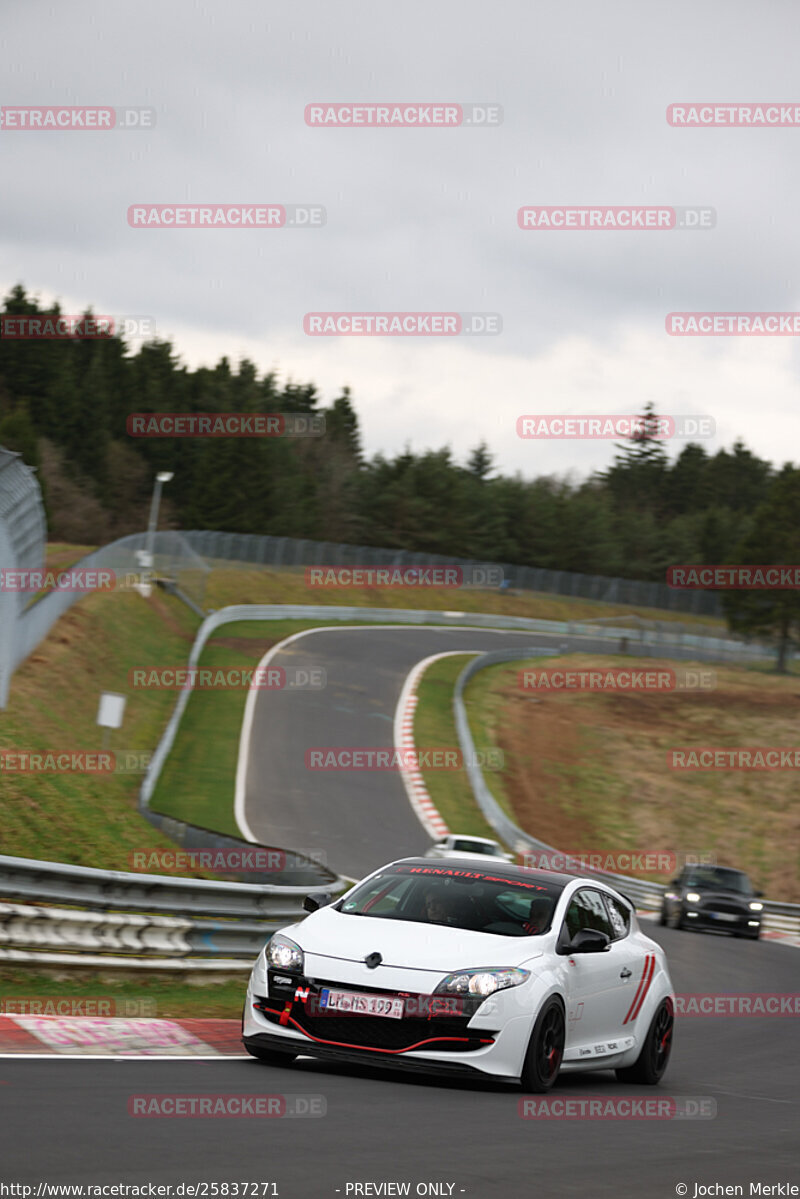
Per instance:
x=756, y=907
x=481, y=982
x=692, y=897
x=283, y=954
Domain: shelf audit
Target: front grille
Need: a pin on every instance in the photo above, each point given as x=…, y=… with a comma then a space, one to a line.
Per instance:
x=441, y=1033
x=731, y=909
x=378, y=1032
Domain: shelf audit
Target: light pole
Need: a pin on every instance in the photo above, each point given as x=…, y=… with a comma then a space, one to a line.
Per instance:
x=163, y=476
x=145, y=556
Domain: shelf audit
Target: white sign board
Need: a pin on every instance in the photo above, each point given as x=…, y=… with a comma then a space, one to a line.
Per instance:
x=111, y=710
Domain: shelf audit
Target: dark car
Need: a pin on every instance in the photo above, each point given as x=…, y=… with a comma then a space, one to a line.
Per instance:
x=713, y=897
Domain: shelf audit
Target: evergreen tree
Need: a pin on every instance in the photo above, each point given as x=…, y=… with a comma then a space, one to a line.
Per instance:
x=774, y=540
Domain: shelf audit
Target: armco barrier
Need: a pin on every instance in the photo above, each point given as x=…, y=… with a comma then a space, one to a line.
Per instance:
x=291, y=869
x=115, y=918
x=183, y=557
x=647, y=643
x=84, y=886
x=28, y=927
x=683, y=645
x=782, y=917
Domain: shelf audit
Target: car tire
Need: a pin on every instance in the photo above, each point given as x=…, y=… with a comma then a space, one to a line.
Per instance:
x=545, y=1049
x=270, y=1057
x=653, y=1059
x=676, y=920
x=662, y=920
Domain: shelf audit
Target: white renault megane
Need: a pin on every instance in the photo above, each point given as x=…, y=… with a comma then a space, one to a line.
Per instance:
x=462, y=969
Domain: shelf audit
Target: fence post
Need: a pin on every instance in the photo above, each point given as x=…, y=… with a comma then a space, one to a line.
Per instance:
x=8, y=617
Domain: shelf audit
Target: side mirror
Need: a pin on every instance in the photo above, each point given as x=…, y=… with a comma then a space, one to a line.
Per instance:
x=316, y=900
x=589, y=940
x=759, y=894
x=676, y=882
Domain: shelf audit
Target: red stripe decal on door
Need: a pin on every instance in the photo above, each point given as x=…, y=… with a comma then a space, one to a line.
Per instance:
x=647, y=978
x=638, y=989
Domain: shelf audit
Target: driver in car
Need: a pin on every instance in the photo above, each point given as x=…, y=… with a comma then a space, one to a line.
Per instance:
x=539, y=916
x=437, y=909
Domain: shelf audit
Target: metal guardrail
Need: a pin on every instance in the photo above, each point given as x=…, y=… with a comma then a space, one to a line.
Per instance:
x=183, y=557
x=28, y=927
x=643, y=641
x=27, y=620
x=119, y=919
x=250, y=912
x=107, y=890
x=783, y=917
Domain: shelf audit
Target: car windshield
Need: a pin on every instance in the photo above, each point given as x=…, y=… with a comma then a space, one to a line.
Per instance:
x=464, y=845
x=720, y=878
x=470, y=899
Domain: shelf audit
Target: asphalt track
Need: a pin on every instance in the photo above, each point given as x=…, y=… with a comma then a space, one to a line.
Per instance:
x=358, y=818
x=65, y=1120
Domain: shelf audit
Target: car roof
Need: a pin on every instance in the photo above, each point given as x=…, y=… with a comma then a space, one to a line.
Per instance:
x=507, y=869
x=713, y=866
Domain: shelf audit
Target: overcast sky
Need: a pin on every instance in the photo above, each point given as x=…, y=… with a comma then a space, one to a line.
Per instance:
x=426, y=219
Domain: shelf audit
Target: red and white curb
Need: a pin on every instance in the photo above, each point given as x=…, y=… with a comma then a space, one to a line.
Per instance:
x=86, y=1036
x=412, y=777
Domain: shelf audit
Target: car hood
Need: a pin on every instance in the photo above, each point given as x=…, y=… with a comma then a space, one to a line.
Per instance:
x=405, y=943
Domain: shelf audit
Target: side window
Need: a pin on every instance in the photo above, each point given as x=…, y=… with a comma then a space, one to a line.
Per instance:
x=619, y=915
x=587, y=910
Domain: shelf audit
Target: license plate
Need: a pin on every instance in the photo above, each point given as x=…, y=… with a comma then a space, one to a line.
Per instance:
x=353, y=1003
x=723, y=916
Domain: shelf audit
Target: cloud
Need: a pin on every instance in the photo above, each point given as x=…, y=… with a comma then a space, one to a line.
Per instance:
x=426, y=219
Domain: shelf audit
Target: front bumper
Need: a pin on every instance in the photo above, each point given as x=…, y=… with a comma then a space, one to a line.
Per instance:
x=368, y=1057
x=726, y=921
x=481, y=1038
